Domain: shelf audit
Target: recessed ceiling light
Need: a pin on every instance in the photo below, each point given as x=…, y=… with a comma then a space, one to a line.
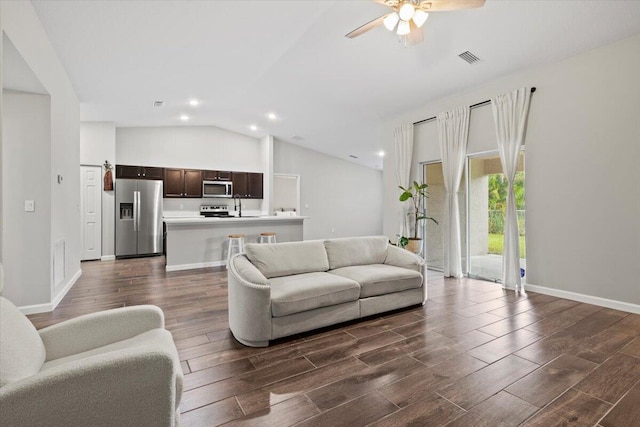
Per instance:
x=272, y=116
x=184, y=117
x=194, y=102
x=381, y=153
x=253, y=128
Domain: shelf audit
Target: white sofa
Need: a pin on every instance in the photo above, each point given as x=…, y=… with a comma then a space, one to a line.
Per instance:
x=277, y=290
x=113, y=368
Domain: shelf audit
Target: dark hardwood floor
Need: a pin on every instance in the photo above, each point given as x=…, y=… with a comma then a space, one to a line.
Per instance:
x=474, y=355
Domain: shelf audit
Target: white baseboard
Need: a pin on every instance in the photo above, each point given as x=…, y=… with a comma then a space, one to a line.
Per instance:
x=47, y=307
x=179, y=267
x=589, y=299
x=108, y=258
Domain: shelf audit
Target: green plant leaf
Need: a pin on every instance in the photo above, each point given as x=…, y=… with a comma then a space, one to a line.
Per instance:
x=405, y=196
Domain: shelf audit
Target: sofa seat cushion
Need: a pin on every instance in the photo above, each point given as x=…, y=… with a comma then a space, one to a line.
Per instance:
x=307, y=291
x=380, y=279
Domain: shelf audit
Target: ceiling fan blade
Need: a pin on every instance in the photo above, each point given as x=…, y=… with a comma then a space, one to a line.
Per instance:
x=366, y=27
x=416, y=35
x=446, y=5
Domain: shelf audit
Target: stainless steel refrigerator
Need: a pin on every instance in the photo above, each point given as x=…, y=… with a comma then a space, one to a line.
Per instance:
x=138, y=217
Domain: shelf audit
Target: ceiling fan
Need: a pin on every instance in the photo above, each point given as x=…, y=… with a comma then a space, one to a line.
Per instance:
x=408, y=16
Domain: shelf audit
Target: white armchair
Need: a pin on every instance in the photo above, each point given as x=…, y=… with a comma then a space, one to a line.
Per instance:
x=113, y=368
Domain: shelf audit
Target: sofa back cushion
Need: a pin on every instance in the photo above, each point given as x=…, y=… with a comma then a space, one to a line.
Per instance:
x=356, y=251
x=285, y=259
x=22, y=351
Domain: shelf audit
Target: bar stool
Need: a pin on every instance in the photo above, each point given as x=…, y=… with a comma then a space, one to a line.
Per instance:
x=236, y=243
x=268, y=237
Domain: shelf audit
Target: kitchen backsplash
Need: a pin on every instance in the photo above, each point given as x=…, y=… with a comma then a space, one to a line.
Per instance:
x=191, y=207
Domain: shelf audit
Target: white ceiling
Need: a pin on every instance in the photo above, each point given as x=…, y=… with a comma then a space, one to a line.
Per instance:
x=243, y=59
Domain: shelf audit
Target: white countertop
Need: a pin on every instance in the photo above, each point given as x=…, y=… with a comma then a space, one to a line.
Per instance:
x=217, y=221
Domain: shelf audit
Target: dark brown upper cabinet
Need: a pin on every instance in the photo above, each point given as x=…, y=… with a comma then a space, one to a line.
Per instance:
x=182, y=183
x=139, y=172
x=216, y=175
x=247, y=184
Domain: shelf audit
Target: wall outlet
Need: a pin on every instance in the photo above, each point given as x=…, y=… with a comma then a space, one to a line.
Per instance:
x=29, y=205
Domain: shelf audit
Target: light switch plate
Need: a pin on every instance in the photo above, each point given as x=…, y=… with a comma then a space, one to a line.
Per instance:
x=29, y=205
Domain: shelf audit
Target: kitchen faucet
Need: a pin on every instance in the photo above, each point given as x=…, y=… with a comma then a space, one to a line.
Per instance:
x=235, y=207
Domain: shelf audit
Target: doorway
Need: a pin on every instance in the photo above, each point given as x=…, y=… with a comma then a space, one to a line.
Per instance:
x=487, y=189
x=286, y=194
x=91, y=214
x=434, y=178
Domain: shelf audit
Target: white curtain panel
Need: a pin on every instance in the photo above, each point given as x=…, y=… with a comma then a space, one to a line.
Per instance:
x=403, y=151
x=453, y=130
x=510, y=112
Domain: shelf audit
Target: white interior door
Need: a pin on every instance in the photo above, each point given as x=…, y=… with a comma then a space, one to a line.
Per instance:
x=91, y=184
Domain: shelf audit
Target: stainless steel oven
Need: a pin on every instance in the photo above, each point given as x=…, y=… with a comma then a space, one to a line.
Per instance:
x=217, y=189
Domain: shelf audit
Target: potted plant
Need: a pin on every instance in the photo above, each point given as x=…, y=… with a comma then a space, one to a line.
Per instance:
x=417, y=194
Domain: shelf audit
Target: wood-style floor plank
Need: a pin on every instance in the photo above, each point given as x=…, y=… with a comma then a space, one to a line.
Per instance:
x=388, y=369
x=282, y=414
x=358, y=412
x=501, y=409
x=550, y=381
x=626, y=412
x=486, y=382
x=433, y=410
x=612, y=379
x=212, y=415
x=368, y=380
x=573, y=408
x=417, y=386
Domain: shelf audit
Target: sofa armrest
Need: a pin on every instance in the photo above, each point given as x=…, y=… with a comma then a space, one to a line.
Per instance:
x=249, y=303
x=127, y=387
x=402, y=258
x=98, y=329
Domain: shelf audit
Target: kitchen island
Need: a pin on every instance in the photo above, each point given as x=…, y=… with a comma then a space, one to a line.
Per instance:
x=197, y=242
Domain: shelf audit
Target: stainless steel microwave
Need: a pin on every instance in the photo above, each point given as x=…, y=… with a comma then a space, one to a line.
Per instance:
x=217, y=189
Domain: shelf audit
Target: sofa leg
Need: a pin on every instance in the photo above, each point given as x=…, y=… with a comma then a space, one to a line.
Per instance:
x=252, y=343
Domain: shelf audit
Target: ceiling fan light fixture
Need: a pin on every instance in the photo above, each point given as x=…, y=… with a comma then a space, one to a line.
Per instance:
x=403, y=28
x=420, y=17
x=406, y=12
x=391, y=21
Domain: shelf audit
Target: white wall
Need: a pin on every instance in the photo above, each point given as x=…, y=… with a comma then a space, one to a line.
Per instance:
x=342, y=198
x=205, y=147
x=583, y=179
x=20, y=23
x=27, y=130
x=266, y=157
x=97, y=144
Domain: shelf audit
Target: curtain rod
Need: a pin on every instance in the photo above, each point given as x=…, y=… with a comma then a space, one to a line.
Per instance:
x=479, y=104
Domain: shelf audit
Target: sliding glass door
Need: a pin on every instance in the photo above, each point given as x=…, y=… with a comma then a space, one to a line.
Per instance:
x=487, y=188
x=434, y=240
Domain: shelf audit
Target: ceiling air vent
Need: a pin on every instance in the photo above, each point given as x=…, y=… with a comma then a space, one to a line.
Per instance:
x=469, y=57
x=158, y=103
x=352, y=156
x=296, y=138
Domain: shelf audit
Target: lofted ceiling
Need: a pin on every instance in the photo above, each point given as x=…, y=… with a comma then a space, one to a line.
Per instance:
x=243, y=59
